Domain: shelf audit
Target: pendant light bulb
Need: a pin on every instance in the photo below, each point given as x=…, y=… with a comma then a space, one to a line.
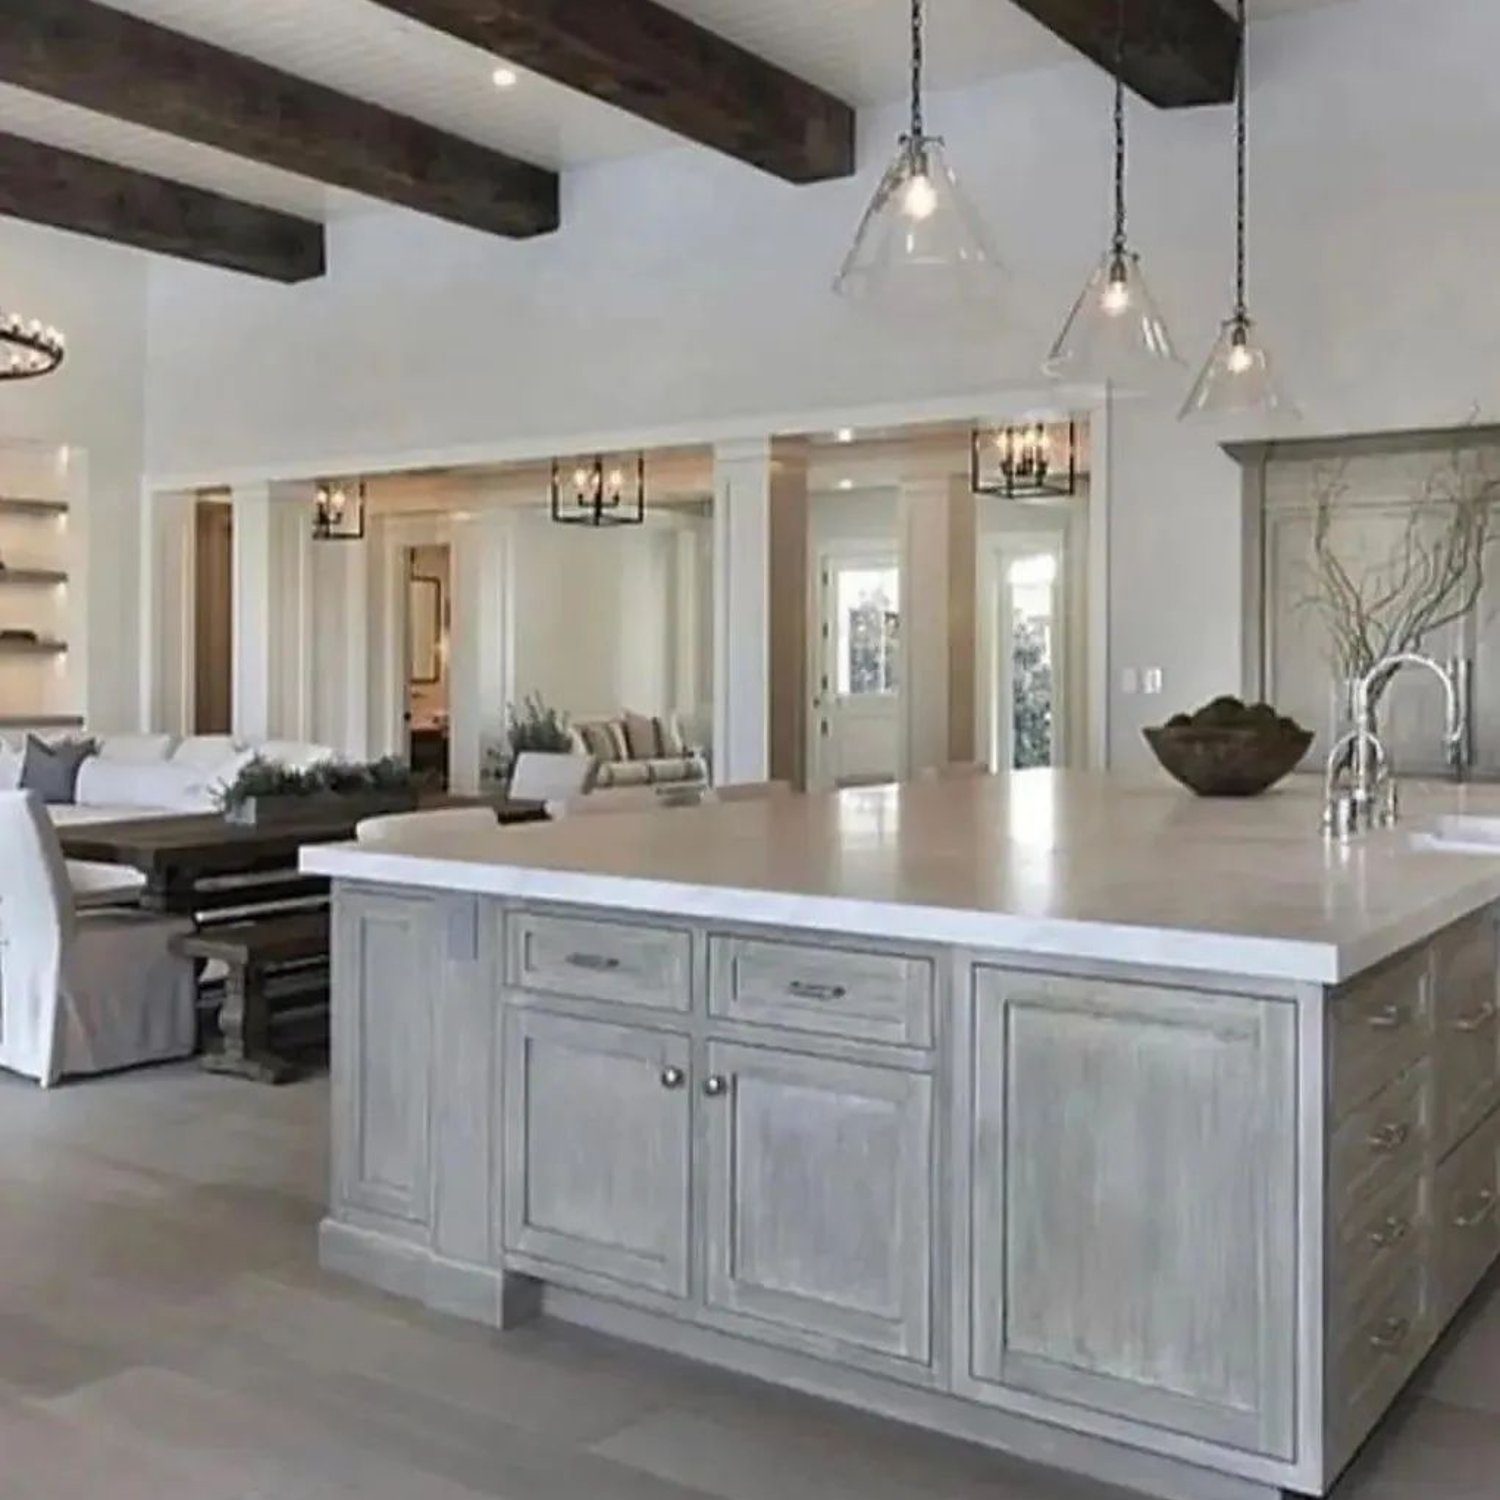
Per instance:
x=1115, y=331
x=920, y=241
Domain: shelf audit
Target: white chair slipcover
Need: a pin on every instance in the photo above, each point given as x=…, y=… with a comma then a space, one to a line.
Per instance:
x=550, y=778
x=80, y=992
x=398, y=828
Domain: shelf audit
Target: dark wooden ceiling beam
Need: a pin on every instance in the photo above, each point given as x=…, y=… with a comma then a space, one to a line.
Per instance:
x=117, y=64
x=1178, y=53
x=47, y=185
x=661, y=67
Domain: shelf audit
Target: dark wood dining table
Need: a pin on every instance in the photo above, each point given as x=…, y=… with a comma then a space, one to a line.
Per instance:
x=189, y=861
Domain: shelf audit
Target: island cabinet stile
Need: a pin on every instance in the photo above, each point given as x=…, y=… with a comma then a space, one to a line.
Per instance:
x=1190, y=1232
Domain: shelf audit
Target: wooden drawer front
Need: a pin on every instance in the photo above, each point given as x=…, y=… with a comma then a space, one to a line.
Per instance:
x=1383, y=1140
x=1467, y=1017
x=1368, y=1246
x=872, y=997
x=587, y=959
x=1378, y=1029
x=1468, y=1216
x=1384, y=1344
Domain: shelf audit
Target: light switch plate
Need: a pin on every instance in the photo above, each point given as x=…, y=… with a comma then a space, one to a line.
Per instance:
x=1151, y=680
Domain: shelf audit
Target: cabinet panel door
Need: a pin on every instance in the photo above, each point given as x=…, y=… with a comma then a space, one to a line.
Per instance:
x=387, y=947
x=1133, y=1203
x=1466, y=1013
x=597, y=1138
x=818, y=1199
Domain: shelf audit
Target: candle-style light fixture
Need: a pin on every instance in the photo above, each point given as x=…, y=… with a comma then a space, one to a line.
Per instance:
x=601, y=495
x=1237, y=379
x=919, y=238
x=1033, y=461
x=1115, y=330
x=28, y=348
x=339, y=511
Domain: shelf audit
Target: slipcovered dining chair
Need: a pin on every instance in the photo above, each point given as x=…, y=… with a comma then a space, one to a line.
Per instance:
x=80, y=991
x=400, y=828
x=550, y=778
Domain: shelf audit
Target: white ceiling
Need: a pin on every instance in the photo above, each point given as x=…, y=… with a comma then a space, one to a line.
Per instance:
x=857, y=49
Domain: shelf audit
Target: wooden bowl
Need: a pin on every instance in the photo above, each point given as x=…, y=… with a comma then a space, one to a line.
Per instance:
x=1239, y=762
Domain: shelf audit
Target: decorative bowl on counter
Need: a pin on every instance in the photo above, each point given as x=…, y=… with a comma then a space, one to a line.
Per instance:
x=1229, y=749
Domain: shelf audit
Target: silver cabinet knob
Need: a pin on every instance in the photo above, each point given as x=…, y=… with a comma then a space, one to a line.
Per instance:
x=672, y=1078
x=714, y=1085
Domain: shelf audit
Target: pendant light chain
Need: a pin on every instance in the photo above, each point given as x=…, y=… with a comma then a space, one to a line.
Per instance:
x=917, y=122
x=1119, y=240
x=1242, y=131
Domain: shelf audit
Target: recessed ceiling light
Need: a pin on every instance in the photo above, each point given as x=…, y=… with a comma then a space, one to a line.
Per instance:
x=845, y=434
x=505, y=78
x=846, y=484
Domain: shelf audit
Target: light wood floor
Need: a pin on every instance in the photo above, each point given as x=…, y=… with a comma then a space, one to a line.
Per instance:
x=165, y=1334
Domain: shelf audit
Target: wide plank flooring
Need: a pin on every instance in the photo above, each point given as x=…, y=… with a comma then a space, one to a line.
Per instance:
x=165, y=1334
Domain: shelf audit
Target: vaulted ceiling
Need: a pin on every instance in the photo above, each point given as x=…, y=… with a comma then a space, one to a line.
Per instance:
x=229, y=133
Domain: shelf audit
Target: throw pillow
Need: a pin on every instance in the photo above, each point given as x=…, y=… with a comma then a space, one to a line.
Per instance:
x=619, y=745
x=670, y=737
x=640, y=737
x=51, y=771
x=599, y=742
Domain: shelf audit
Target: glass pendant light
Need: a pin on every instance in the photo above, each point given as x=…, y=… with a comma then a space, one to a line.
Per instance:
x=919, y=238
x=1115, y=330
x=1236, y=379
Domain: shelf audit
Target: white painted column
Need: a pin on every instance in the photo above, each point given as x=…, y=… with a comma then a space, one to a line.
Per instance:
x=742, y=515
x=924, y=620
x=167, y=619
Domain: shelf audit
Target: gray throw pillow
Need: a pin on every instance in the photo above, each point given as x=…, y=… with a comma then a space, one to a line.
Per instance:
x=51, y=771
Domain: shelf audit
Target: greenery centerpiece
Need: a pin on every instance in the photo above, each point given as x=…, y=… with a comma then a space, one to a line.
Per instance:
x=266, y=793
x=532, y=728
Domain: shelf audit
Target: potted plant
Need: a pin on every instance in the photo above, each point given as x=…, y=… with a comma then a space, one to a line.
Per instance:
x=265, y=794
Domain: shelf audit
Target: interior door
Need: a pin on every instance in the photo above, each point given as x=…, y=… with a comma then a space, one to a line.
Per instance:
x=857, y=703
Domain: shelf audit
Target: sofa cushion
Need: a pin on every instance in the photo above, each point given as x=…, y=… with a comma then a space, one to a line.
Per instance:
x=51, y=771
x=135, y=749
x=671, y=743
x=625, y=773
x=205, y=750
x=166, y=787
x=640, y=736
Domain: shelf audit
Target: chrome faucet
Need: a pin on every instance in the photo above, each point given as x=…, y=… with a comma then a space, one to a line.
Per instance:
x=1370, y=798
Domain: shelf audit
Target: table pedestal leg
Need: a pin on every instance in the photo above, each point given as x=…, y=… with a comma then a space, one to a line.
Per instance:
x=245, y=1027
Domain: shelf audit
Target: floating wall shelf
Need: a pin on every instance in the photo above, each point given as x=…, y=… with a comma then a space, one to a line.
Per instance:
x=19, y=647
x=18, y=506
x=31, y=576
x=41, y=721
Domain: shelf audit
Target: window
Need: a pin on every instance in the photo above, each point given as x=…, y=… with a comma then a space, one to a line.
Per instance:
x=868, y=615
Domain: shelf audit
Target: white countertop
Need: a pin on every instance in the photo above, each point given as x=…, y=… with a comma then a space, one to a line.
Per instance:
x=1049, y=863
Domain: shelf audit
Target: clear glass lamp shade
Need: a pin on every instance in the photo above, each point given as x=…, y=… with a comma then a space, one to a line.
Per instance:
x=1236, y=379
x=1115, y=331
x=920, y=241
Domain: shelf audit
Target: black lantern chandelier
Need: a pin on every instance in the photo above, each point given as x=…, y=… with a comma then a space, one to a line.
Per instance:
x=601, y=496
x=1030, y=462
x=28, y=349
x=339, y=512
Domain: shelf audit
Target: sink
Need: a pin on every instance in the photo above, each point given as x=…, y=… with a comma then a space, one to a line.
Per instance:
x=1460, y=833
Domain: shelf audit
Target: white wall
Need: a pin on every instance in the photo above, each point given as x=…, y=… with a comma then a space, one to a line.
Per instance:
x=97, y=296
x=686, y=291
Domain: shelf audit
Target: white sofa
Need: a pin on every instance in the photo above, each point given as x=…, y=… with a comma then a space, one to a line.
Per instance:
x=154, y=775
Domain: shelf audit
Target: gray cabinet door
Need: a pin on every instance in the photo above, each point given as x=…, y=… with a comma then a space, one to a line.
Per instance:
x=597, y=1146
x=1133, y=1175
x=818, y=1199
x=387, y=946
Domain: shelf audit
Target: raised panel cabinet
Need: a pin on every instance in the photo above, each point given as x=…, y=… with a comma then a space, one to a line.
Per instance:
x=386, y=949
x=597, y=1149
x=818, y=1199
x=1132, y=1214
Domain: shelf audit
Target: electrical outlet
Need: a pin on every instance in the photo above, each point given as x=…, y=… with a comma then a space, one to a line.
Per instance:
x=1151, y=681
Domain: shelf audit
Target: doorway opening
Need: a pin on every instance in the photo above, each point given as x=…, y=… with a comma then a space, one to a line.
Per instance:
x=428, y=621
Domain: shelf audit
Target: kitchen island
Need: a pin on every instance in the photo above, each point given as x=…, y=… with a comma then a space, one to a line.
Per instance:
x=1146, y=1136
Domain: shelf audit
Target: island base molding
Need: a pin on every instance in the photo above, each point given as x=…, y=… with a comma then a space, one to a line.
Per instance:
x=505, y=1300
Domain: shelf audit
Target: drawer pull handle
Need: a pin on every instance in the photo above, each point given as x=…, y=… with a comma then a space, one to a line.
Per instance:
x=1476, y=1020
x=1391, y=1335
x=672, y=1078
x=1482, y=1212
x=1387, y=1018
x=1390, y=1137
x=595, y=963
x=805, y=990
x=1392, y=1232
x=715, y=1085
